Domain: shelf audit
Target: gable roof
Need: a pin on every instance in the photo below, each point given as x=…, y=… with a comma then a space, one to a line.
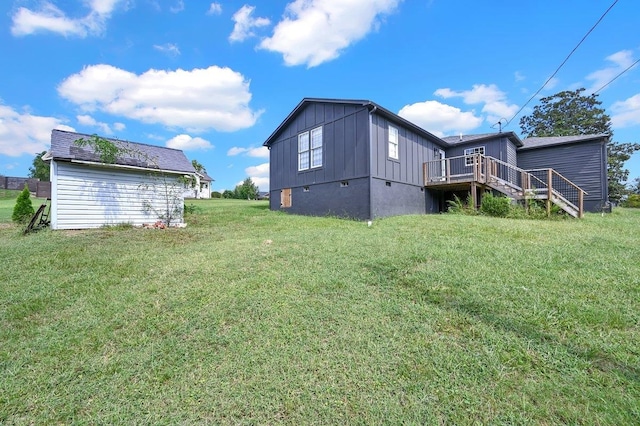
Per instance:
x=534, y=142
x=462, y=139
x=144, y=156
x=372, y=106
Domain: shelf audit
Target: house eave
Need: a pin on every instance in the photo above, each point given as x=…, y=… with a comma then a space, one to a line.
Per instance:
x=371, y=106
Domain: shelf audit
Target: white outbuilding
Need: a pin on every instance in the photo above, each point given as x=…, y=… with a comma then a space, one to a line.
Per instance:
x=143, y=185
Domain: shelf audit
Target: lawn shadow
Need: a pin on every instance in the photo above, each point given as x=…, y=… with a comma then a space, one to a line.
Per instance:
x=594, y=356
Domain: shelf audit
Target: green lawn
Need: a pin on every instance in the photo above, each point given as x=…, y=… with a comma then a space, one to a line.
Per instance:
x=249, y=316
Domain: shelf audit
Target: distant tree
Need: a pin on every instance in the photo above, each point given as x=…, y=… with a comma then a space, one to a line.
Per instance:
x=39, y=168
x=216, y=194
x=634, y=187
x=23, y=210
x=227, y=194
x=570, y=113
x=247, y=190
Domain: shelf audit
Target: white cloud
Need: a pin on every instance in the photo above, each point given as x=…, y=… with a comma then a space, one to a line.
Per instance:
x=179, y=7
x=260, y=152
x=195, y=100
x=244, y=23
x=23, y=133
x=170, y=49
x=438, y=118
x=87, y=120
x=620, y=61
x=494, y=100
x=317, y=31
x=215, y=9
x=518, y=76
x=10, y=166
x=119, y=126
x=259, y=175
x=49, y=18
x=626, y=113
x=188, y=143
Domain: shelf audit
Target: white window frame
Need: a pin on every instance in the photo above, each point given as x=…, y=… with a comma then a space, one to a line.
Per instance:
x=310, y=149
x=393, y=146
x=470, y=153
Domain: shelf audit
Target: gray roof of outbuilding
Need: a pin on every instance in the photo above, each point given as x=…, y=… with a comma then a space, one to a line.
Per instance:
x=459, y=140
x=205, y=176
x=372, y=106
x=141, y=155
x=535, y=142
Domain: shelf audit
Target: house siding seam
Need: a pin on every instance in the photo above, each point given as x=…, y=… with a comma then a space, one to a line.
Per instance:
x=91, y=197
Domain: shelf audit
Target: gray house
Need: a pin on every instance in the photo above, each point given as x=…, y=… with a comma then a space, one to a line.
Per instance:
x=87, y=193
x=354, y=158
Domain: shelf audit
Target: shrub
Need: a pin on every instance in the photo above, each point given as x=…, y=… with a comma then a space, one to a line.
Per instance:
x=457, y=206
x=495, y=206
x=190, y=208
x=216, y=194
x=23, y=210
x=632, y=201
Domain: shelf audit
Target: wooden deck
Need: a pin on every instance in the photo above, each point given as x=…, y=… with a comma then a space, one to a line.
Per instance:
x=482, y=172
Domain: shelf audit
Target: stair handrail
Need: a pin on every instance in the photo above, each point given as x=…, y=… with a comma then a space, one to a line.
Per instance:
x=554, y=171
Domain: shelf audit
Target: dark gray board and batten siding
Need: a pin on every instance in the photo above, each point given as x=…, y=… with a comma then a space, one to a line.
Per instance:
x=397, y=186
x=582, y=163
x=345, y=158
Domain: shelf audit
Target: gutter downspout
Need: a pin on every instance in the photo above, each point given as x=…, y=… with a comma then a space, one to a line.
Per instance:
x=370, y=154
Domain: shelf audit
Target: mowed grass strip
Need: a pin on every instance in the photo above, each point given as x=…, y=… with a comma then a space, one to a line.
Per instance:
x=249, y=316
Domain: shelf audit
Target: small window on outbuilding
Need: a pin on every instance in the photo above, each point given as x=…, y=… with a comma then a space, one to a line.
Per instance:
x=344, y=184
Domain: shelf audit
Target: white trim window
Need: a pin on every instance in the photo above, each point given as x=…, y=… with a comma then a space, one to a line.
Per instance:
x=310, y=149
x=469, y=154
x=393, y=143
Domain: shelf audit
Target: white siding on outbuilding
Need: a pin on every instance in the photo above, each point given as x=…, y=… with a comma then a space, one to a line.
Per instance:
x=86, y=196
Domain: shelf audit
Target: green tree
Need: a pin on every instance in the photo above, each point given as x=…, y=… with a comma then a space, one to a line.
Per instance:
x=634, y=187
x=570, y=113
x=247, y=190
x=198, y=167
x=23, y=210
x=39, y=168
x=227, y=194
x=216, y=194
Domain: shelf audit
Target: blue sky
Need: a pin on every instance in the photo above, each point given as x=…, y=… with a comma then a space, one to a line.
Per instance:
x=216, y=78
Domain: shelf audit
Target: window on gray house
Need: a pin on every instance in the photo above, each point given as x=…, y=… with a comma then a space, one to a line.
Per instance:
x=393, y=143
x=310, y=149
x=469, y=154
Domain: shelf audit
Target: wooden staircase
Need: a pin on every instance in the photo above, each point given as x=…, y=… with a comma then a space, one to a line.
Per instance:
x=515, y=183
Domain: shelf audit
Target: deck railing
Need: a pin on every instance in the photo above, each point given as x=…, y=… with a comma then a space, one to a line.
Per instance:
x=545, y=184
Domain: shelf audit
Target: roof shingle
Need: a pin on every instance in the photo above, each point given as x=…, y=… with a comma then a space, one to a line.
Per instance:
x=138, y=155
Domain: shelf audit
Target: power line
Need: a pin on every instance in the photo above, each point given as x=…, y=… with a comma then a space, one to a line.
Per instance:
x=563, y=62
x=614, y=78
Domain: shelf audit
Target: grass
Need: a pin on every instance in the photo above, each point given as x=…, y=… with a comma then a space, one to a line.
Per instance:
x=249, y=316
